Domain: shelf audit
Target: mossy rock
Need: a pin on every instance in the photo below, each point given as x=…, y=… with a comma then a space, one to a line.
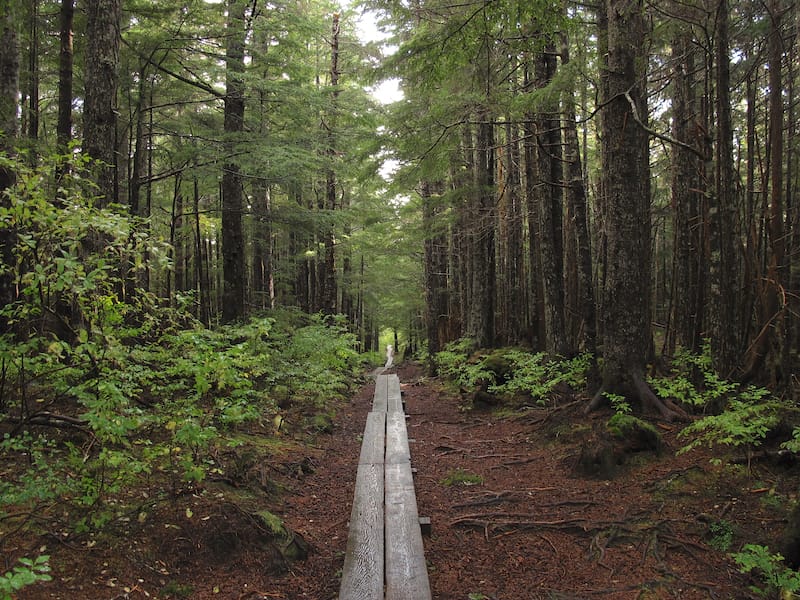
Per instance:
x=322, y=422
x=499, y=364
x=633, y=434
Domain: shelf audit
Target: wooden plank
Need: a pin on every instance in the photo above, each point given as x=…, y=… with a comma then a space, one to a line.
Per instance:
x=373, y=445
x=397, y=450
x=406, y=571
x=395, y=398
x=363, y=570
x=380, y=399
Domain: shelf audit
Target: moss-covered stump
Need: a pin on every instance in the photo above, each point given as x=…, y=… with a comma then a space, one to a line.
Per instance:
x=632, y=434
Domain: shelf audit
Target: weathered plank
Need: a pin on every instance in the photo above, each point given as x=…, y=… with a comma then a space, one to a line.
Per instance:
x=363, y=570
x=397, y=450
x=373, y=445
x=380, y=399
x=406, y=571
x=395, y=398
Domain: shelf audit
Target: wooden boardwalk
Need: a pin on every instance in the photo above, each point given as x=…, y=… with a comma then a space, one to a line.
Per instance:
x=385, y=557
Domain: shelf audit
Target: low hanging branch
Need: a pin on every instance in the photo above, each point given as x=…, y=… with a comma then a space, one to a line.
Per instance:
x=661, y=136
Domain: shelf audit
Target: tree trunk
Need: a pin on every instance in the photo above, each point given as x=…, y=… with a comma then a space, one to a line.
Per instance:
x=9, y=130
x=435, y=272
x=767, y=349
x=724, y=285
x=328, y=278
x=65, y=60
x=480, y=312
x=100, y=92
x=549, y=200
x=685, y=168
x=33, y=72
x=233, y=257
x=576, y=198
x=625, y=162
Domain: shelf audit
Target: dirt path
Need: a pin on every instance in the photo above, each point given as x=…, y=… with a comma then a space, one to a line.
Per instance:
x=516, y=522
x=531, y=528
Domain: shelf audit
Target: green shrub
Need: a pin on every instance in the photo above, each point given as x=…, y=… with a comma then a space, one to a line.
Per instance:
x=687, y=367
x=775, y=575
x=27, y=573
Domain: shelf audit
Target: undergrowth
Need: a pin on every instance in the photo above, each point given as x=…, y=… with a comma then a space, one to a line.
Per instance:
x=511, y=371
x=108, y=393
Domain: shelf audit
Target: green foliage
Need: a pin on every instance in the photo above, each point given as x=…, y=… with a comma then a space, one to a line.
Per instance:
x=687, y=367
x=511, y=371
x=775, y=575
x=721, y=535
x=453, y=363
x=744, y=423
x=461, y=477
x=618, y=402
x=27, y=573
x=139, y=392
x=538, y=376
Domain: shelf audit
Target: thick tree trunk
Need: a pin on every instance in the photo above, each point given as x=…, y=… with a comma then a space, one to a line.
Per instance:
x=233, y=251
x=435, y=272
x=100, y=92
x=480, y=311
x=625, y=161
x=510, y=249
x=328, y=276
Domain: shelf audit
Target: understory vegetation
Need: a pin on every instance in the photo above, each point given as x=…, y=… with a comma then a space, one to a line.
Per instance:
x=112, y=400
x=733, y=420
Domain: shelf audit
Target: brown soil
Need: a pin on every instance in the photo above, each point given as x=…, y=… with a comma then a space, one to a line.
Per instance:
x=534, y=527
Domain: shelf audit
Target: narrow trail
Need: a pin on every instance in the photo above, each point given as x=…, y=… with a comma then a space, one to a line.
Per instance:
x=515, y=521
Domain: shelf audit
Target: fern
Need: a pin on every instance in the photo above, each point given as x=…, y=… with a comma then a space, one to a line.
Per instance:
x=776, y=576
x=745, y=422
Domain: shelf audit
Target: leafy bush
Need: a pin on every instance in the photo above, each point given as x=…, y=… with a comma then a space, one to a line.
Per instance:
x=135, y=392
x=776, y=576
x=536, y=375
x=744, y=423
x=687, y=367
x=25, y=574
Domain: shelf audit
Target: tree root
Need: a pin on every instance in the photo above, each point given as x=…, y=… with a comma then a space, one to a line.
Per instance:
x=667, y=409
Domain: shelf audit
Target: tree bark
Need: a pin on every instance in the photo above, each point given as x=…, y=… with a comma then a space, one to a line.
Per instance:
x=435, y=272
x=683, y=318
x=576, y=198
x=480, y=315
x=100, y=92
x=722, y=272
x=65, y=67
x=328, y=278
x=233, y=257
x=9, y=130
x=625, y=162
x=549, y=200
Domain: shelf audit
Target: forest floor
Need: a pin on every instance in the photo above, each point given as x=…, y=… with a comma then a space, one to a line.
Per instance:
x=512, y=518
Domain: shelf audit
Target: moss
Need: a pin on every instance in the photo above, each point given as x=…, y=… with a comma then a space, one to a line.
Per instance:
x=461, y=477
x=272, y=522
x=637, y=435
